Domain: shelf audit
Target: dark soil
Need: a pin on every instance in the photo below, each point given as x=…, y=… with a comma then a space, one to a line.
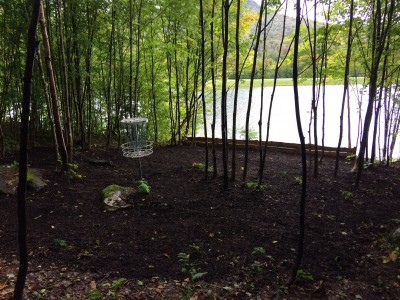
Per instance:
x=244, y=240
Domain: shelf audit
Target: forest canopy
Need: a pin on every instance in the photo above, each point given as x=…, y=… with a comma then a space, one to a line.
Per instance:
x=119, y=58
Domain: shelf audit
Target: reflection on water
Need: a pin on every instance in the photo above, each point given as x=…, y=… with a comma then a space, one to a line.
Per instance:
x=283, y=120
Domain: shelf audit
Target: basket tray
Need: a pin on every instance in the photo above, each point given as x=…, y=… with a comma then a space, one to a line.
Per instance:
x=135, y=150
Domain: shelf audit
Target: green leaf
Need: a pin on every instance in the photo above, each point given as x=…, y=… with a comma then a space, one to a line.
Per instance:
x=197, y=276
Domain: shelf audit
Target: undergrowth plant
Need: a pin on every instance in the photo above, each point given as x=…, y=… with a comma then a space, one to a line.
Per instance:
x=304, y=275
x=347, y=195
x=109, y=291
x=250, y=184
x=72, y=170
x=143, y=186
x=188, y=265
x=393, y=256
x=260, y=259
x=62, y=244
x=202, y=166
x=299, y=180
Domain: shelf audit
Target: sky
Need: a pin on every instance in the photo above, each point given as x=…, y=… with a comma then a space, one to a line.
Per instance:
x=291, y=12
x=291, y=8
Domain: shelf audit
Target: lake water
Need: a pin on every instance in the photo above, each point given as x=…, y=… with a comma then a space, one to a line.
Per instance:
x=283, y=126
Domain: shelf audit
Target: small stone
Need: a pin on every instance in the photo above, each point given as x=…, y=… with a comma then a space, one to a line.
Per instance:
x=396, y=234
x=115, y=197
x=35, y=181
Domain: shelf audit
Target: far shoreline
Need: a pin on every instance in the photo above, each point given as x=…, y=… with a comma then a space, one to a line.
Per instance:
x=288, y=82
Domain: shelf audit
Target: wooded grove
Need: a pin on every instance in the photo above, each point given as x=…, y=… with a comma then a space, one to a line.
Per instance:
x=88, y=64
x=99, y=61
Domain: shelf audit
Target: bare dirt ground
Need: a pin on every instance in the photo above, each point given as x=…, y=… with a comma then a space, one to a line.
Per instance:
x=189, y=239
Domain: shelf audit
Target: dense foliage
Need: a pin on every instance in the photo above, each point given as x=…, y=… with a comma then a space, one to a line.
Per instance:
x=118, y=58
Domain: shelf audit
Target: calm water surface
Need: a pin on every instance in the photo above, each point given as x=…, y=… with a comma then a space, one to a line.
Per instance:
x=283, y=126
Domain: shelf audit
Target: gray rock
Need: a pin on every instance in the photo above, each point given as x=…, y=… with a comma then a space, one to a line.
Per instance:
x=35, y=180
x=9, y=179
x=396, y=235
x=116, y=197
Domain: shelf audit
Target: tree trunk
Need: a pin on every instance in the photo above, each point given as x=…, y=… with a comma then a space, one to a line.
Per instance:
x=2, y=149
x=136, y=80
x=131, y=14
x=264, y=53
x=379, y=104
x=323, y=76
x=23, y=154
x=277, y=67
x=65, y=83
x=314, y=113
x=53, y=92
x=91, y=19
x=177, y=83
x=235, y=97
x=203, y=83
x=300, y=245
x=111, y=67
x=253, y=71
x=378, y=44
x=214, y=91
x=224, y=119
x=48, y=106
x=345, y=86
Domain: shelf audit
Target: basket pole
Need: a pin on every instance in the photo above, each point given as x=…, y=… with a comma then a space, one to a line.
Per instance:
x=140, y=168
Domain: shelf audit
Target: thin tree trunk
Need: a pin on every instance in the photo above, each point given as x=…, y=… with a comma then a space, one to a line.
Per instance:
x=131, y=13
x=177, y=83
x=378, y=44
x=313, y=116
x=264, y=54
x=277, y=67
x=118, y=86
x=314, y=102
x=224, y=133
x=136, y=80
x=153, y=93
x=323, y=76
x=111, y=75
x=91, y=19
x=235, y=97
x=32, y=44
x=246, y=150
x=167, y=40
x=345, y=86
x=393, y=125
x=396, y=126
x=186, y=91
x=53, y=92
x=65, y=83
x=386, y=107
x=2, y=149
x=48, y=106
x=377, y=110
x=214, y=91
x=203, y=83
x=379, y=104
x=300, y=245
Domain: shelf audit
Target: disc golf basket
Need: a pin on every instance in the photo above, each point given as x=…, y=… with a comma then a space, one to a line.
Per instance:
x=137, y=146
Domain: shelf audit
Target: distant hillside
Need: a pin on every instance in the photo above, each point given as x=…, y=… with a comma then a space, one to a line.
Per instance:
x=252, y=5
x=276, y=27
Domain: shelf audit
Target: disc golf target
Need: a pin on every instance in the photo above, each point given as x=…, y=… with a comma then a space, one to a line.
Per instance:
x=136, y=133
